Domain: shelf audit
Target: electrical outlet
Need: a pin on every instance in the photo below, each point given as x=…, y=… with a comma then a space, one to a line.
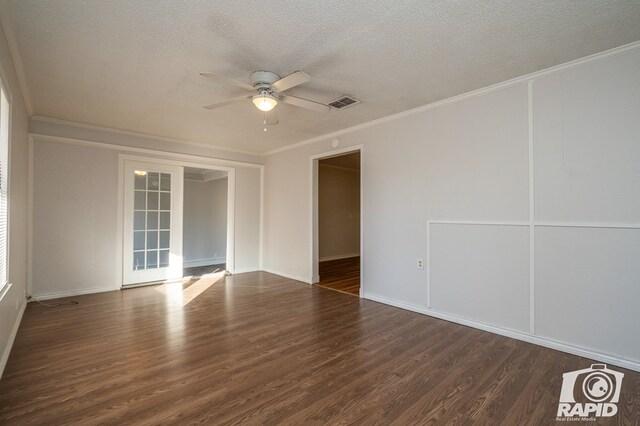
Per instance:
x=420, y=263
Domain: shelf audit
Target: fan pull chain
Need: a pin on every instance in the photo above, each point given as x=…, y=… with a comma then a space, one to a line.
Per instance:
x=265, y=122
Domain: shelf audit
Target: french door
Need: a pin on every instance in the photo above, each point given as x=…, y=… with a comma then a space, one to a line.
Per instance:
x=152, y=222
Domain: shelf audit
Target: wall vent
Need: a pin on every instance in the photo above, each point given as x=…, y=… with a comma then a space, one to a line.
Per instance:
x=343, y=102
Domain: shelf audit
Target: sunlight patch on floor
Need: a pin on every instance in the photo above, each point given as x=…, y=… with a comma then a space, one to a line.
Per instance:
x=182, y=293
x=198, y=287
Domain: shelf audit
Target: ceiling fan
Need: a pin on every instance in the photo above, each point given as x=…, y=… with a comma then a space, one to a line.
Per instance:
x=268, y=88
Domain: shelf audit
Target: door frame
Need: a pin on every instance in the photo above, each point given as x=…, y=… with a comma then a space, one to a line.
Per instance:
x=231, y=196
x=314, y=249
x=140, y=277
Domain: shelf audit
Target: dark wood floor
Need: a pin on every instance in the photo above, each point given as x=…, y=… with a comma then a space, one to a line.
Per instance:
x=261, y=349
x=341, y=275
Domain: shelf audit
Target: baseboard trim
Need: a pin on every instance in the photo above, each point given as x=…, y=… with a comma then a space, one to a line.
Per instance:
x=68, y=293
x=338, y=257
x=204, y=262
x=514, y=334
x=291, y=277
x=12, y=338
x=244, y=270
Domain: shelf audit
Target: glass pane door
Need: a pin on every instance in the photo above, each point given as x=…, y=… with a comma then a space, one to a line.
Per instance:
x=152, y=248
x=151, y=220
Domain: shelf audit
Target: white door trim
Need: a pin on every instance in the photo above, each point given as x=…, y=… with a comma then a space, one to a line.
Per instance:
x=314, y=248
x=231, y=196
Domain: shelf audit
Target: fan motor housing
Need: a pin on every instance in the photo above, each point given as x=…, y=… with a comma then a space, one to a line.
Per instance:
x=263, y=79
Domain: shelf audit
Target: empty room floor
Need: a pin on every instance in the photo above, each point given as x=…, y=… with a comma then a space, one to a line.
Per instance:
x=257, y=348
x=341, y=275
x=198, y=271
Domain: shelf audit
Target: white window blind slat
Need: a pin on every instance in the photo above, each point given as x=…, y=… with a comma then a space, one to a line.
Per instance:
x=4, y=195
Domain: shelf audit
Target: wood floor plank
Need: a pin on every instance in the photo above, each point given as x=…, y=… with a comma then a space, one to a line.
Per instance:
x=342, y=275
x=257, y=348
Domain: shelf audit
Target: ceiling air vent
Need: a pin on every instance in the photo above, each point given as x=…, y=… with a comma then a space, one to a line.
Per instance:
x=343, y=102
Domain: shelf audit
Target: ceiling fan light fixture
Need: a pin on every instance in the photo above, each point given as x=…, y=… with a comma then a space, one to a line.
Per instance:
x=265, y=101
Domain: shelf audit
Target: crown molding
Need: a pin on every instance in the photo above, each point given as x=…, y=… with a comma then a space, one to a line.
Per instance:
x=211, y=175
x=112, y=130
x=616, y=51
x=36, y=137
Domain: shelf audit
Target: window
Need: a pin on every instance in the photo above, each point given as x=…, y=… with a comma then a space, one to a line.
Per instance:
x=4, y=187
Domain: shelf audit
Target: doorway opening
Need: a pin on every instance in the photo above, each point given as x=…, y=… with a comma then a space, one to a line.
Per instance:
x=337, y=227
x=156, y=197
x=204, y=221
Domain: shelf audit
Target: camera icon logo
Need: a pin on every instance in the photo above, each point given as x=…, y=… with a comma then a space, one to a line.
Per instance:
x=590, y=392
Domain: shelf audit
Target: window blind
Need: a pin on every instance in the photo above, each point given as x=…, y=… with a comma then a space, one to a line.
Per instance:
x=4, y=193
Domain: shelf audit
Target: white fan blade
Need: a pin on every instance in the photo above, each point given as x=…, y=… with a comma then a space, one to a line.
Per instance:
x=305, y=103
x=227, y=80
x=294, y=79
x=227, y=102
x=271, y=117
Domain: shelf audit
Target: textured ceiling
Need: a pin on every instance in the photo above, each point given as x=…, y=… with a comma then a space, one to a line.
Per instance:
x=134, y=64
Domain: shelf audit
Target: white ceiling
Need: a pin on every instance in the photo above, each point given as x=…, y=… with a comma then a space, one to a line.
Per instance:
x=134, y=64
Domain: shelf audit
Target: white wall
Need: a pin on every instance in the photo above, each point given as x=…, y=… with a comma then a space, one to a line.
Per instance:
x=247, y=220
x=205, y=222
x=75, y=198
x=338, y=212
x=13, y=302
x=75, y=227
x=463, y=165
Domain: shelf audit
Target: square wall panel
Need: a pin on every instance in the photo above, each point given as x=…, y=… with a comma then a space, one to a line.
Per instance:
x=481, y=272
x=587, y=143
x=587, y=288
